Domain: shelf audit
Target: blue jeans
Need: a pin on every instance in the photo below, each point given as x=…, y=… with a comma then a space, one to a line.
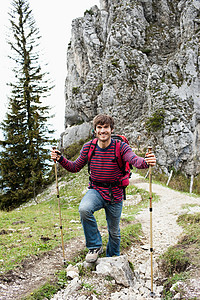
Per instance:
x=91, y=202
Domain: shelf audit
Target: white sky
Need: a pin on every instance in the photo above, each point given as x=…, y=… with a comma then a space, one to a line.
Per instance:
x=54, y=19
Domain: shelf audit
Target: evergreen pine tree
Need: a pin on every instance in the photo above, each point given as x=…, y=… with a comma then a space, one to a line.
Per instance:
x=24, y=158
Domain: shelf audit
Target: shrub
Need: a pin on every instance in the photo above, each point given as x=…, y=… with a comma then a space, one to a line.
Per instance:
x=75, y=90
x=90, y=12
x=115, y=63
x=156, y=121
x=146, y=51
x=174, y=261
x=99, y=88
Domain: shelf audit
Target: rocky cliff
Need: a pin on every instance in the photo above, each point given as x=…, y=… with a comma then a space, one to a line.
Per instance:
x=139, y=61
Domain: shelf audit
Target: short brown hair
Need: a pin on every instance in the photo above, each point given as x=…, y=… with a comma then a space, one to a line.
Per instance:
x=102, y=119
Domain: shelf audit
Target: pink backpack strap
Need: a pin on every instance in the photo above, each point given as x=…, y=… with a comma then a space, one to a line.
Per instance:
x=91, y=152
x=118, y=153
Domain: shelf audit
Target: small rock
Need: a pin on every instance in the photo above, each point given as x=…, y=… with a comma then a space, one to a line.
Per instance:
x=175, y=286
x=142, y=268
x=177, y=296
x=159, y=289
x=18, y=222
x=145, y=247
x=74, y=285
x=72, y=271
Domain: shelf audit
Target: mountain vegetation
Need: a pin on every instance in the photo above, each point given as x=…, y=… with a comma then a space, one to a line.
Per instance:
x=31, y=233
x=24, y=154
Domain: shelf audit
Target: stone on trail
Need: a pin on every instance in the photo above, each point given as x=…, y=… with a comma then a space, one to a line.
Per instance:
x=116, y=267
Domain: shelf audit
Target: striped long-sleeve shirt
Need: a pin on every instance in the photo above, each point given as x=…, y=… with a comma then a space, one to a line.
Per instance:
x=103, y=166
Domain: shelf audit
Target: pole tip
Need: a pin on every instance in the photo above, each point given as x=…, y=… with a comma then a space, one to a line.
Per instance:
x=152, y=294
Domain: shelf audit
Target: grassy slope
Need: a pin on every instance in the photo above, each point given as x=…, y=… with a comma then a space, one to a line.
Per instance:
x=34, y=229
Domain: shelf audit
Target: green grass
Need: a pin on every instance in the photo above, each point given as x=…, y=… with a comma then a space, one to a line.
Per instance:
x=176, y=260
x=45, y=292
x=50, y=288
x=130, y=233
x=35, y=229
x=167, y=294
x=178, y=182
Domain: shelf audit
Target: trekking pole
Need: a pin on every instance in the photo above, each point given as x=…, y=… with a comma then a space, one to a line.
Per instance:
x=151, y=234
x=60, y=218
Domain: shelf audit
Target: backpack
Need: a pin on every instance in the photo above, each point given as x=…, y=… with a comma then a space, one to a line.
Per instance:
x=123, y=182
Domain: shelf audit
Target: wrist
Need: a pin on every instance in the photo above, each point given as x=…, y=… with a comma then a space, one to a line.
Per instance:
x=59, y=158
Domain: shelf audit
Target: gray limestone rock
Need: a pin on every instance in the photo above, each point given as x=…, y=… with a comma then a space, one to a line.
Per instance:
x=139, y=61
x=116, y=267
